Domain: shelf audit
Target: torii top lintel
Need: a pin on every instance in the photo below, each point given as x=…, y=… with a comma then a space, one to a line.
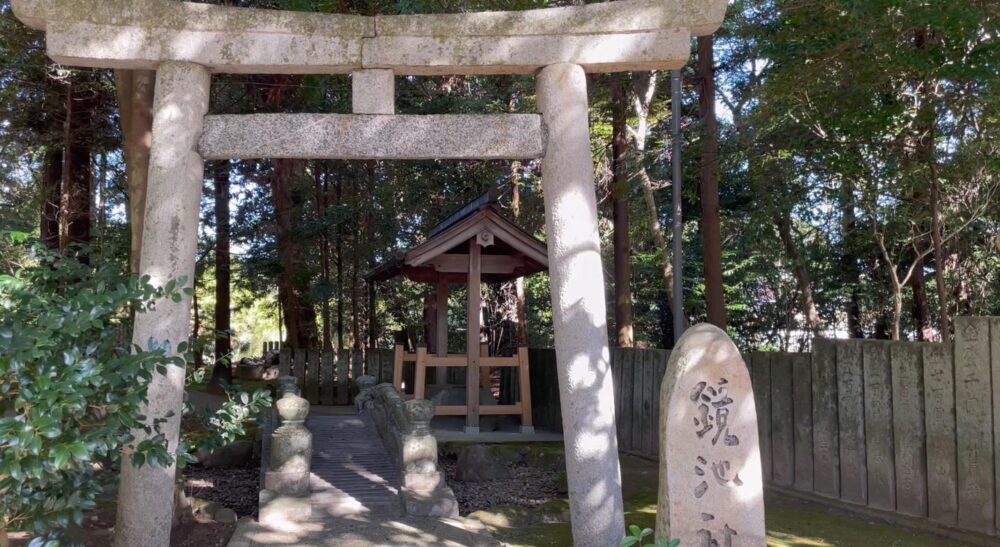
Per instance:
x=141, y=34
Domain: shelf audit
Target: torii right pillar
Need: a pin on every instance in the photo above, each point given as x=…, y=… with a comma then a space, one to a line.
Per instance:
x=579, y=311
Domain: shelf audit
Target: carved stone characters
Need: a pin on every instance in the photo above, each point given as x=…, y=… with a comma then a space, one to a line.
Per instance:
x=711, y=492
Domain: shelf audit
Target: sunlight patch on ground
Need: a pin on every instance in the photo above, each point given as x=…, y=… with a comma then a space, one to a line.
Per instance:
x=781, y=539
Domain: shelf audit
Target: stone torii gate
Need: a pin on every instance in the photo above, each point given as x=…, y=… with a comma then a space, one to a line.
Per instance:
x=186, y=42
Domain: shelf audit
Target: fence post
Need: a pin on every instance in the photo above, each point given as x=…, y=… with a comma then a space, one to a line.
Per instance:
x=826, y=462
x=939, y=408
x=802, y=416
x=908, y=428
x=312, y=380
x=782, y=432
x=878, y=422
x=974, y=424
x=326, y=373
x=761, y=377
x=851, y=423
x=343, y=383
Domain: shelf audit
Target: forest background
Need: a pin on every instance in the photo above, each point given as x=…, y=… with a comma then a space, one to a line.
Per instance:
x=841, y=166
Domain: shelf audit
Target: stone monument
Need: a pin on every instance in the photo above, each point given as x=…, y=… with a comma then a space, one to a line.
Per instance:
x=711, y=493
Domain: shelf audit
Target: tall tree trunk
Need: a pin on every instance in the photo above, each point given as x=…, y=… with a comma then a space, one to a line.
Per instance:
x=300, y=318
x=355, y=276
x=135, y=102
x=339, y=238
x=944, y=321
x=222, y=372
x=322, y=194
x=711, y=220
x=849, y=264
x=52, y=180
x=76, y=196
x=620, y=192
x=370, y=237
x=929, y=152
x=100, y=198
x=919, y=308
x=522, y=308
x=644, y=88
x=783, y=221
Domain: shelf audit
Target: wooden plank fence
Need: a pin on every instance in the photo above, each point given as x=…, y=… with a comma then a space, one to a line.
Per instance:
x=327, y=377
x=904, y=427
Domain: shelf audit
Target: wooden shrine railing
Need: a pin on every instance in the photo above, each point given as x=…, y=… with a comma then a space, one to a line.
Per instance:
x=421, y=361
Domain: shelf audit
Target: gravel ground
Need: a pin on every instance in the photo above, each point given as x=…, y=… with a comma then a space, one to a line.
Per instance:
x=235, y=488
x=525, y=487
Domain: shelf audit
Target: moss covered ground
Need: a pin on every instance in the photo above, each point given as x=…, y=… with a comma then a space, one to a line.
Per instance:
x=790, y=522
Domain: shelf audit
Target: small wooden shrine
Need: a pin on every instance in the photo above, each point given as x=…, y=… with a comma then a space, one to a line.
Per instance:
x=475, y=245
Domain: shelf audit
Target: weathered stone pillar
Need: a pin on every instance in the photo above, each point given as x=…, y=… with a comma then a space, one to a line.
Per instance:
x=285, y=497
x=578, y=309
x=169, y=243
x=424, y=491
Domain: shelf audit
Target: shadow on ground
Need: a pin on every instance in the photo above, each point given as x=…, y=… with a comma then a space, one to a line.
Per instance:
x=790, y=522
x=363, y=532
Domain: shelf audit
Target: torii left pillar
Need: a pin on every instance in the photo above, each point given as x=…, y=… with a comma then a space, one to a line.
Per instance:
x=169, y=244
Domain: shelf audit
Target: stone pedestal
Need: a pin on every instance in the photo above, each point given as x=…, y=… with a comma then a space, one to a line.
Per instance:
x=424, y=491
x=170, y=239
x=365, y=397
x=578, y=310
x=285, y=496
x=288, y=384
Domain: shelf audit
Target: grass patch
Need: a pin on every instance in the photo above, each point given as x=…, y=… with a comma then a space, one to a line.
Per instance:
x=790, y=522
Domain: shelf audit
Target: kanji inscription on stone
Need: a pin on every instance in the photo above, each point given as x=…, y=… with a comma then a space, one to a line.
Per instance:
x=711, y=492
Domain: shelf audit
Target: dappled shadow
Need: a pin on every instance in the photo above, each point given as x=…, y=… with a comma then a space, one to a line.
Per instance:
x=352, y=473
x=362, y=531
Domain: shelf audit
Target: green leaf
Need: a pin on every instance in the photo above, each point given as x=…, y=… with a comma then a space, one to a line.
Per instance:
x=60, y=455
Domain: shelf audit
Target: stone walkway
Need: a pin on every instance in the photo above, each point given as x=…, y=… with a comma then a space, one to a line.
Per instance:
x=351, y=470
x=355, y=498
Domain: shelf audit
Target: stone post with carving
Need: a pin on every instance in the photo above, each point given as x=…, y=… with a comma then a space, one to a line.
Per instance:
x=711, y=491
x=286, y=483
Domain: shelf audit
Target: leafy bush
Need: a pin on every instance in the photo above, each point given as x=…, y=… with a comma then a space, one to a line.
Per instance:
x=71, y=389
x=205, y=430
x=637, y=535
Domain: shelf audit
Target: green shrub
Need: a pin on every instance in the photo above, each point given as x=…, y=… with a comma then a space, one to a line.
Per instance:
x=71, y=389
x=637, y=536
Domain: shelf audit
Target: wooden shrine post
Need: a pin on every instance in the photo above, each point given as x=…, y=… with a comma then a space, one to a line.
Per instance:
x=472, y=337
x=441, y=344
